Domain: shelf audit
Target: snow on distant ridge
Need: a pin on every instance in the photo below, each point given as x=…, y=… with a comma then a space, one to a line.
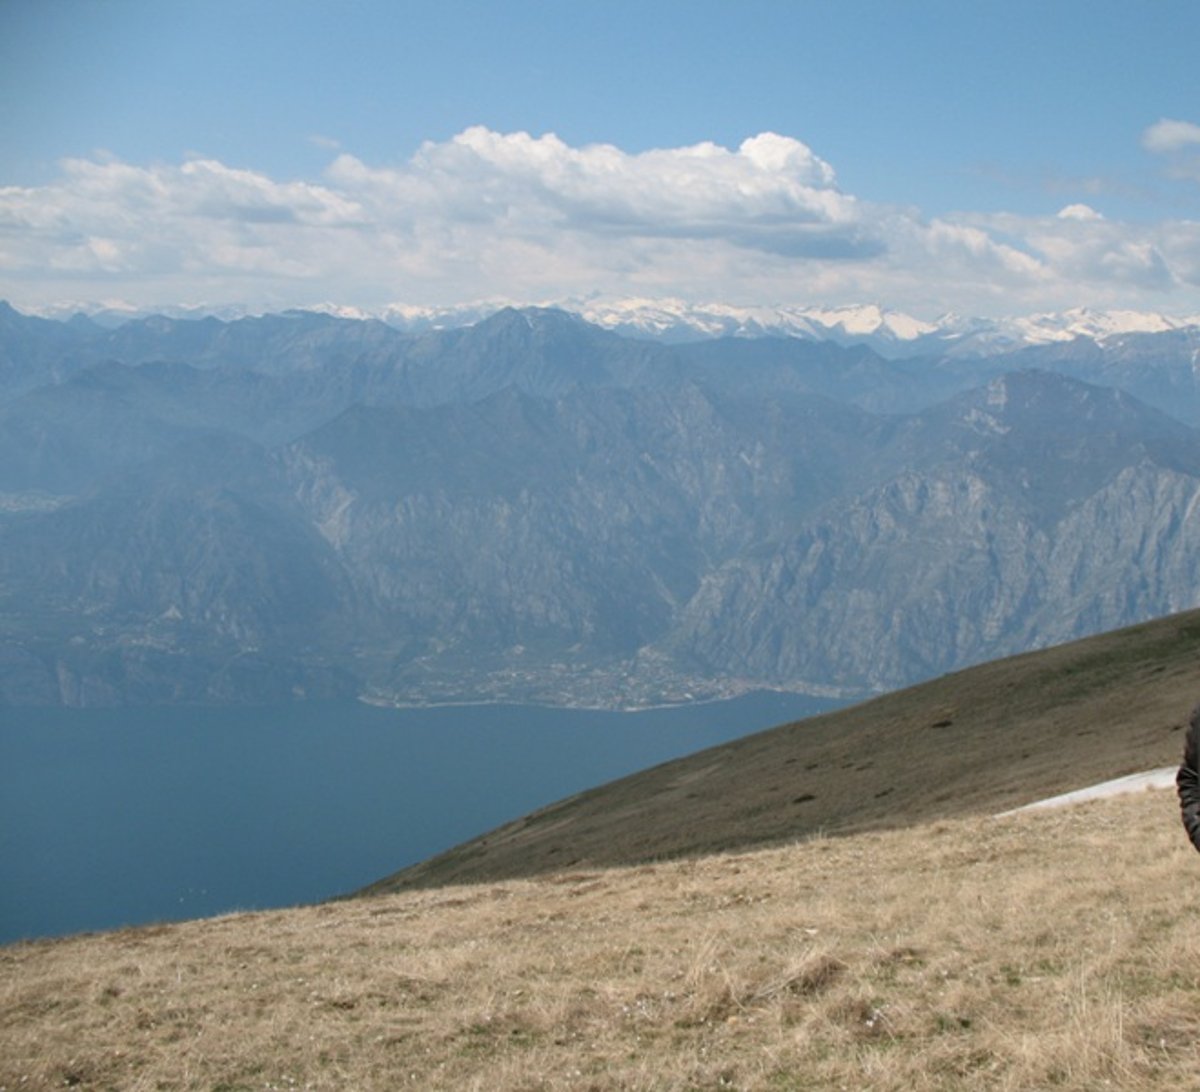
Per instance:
x=871, y=321
x=987, y=336
x=1082, y=322
x=113, y=313
x=677, y=320
x=890, y=333
x=416, y=319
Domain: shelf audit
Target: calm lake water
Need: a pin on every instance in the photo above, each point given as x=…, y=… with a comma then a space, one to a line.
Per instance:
x=113, y=817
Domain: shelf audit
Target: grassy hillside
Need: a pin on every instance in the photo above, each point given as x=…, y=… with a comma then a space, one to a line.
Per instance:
x=1055, y=949
x=973, y=743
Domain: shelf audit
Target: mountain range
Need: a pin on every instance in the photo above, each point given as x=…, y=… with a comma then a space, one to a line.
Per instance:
x=538, y=508
x=890, y=333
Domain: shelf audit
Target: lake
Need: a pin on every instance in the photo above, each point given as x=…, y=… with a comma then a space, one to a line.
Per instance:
x=125, y=816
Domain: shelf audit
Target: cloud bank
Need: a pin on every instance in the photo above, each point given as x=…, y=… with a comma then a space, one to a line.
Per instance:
x=489, y=215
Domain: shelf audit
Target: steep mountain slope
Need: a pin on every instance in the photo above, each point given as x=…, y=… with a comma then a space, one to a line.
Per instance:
x=977, y=742
x=851, y=374
x=1027, y=513
x=34, y=350
x=193, y=578
x=496, y=535
x=536, y=350
x=535, y=509
x=1162, y=369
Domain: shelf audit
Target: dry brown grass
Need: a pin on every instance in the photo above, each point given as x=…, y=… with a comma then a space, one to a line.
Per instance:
x=1050, y=950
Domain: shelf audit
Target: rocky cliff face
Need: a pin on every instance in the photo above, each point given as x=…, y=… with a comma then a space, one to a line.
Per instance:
x=534, y=509
x=1029, y=512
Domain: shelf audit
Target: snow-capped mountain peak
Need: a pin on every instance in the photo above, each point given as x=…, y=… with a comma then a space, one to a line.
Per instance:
x=888, y=332
x=1084, y=322
x=870, y=320
x=677, y=320
x=891, y=333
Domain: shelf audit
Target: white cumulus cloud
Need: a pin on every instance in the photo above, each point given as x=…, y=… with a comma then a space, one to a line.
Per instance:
x=488, y=215
x=1079, y=212
x=1169, y=135
x=772, y=192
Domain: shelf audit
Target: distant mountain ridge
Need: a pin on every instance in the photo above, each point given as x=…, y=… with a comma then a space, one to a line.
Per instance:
x=890, y=333
x=534, y=508
x=887, y=331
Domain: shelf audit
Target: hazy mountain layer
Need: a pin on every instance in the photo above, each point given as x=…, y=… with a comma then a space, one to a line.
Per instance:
x=536, y=509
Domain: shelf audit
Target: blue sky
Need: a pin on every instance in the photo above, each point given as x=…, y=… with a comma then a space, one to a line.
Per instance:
x=979, y=157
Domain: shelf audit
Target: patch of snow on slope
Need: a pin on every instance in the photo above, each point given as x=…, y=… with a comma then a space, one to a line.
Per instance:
x=1162, y=778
